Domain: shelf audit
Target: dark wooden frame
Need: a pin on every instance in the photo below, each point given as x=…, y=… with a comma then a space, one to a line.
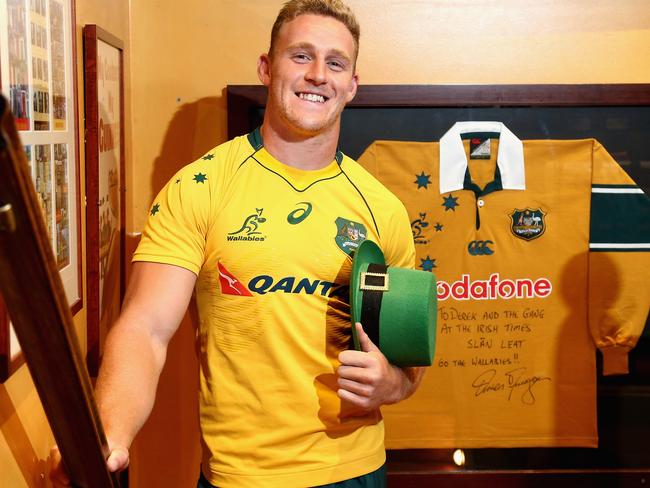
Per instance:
x=9, y=365
x=92, y=34
x=435, y=467
x=242, y=99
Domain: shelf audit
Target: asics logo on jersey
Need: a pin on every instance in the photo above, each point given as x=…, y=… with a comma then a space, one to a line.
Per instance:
x=248, y=231
x=480, y=248
x=299, y=214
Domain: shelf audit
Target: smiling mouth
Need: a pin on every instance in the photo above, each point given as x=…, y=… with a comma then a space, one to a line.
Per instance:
x=312, y=97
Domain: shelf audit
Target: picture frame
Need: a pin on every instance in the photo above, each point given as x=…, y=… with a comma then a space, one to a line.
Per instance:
x=38, y=77
x=105, y=212
x=616, y=115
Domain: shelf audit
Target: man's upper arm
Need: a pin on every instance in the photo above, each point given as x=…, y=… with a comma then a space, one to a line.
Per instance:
x=157, y=298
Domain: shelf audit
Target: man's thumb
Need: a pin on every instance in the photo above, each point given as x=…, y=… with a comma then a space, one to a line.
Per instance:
x=364, y=341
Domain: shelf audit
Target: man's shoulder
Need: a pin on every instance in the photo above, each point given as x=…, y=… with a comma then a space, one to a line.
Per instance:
x=224, y=158
x=235, y=150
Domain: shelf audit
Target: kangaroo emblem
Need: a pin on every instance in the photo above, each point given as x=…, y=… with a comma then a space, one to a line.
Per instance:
x=251, y=223
x=231, y=281
x=416, y=228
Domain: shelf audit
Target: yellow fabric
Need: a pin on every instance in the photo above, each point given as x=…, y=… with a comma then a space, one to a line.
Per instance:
x=269, y=341
x=517, y=372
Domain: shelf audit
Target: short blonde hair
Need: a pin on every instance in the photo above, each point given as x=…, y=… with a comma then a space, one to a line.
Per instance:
x=327, y=8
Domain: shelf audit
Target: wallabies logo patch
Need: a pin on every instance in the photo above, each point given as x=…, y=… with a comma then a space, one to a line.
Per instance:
x=416, y=228
x=249, y=229
x=349, y=235
x=527, y=224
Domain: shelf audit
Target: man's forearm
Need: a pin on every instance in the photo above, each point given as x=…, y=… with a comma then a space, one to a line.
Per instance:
x=126, y=386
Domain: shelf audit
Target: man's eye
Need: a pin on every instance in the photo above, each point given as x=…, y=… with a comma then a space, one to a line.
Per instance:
x=336, y=65
x=301, y=57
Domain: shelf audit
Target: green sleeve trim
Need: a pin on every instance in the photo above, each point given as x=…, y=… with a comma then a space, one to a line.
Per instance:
x=620, y=219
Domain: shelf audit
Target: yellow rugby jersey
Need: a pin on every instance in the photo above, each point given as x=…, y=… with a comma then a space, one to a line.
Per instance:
x=541, y=251
x=272, y=246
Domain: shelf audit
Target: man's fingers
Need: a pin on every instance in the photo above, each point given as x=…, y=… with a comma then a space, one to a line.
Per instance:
x=354, y=358
x=357, y=374
x=364, y=341
x=118, y=459
x=353, y=398
x=57, y=471
x=355, y=387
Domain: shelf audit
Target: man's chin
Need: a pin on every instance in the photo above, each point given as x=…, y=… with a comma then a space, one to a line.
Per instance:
x=310, y=127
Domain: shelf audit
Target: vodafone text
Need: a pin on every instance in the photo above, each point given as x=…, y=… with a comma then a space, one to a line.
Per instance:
x=494, y=288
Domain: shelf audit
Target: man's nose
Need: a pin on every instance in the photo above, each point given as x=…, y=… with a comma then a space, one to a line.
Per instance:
x=317, y=72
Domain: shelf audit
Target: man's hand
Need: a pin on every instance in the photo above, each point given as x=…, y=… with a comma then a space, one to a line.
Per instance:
x=367, y=380
x=118, y=460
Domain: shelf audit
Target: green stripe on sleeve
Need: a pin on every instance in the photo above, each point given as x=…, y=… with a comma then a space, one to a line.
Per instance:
x=620, y=218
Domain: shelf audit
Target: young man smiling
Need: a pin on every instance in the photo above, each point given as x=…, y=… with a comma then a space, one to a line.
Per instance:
x=264, y=226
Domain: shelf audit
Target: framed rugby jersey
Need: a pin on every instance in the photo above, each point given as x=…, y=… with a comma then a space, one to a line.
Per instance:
x=601, y=134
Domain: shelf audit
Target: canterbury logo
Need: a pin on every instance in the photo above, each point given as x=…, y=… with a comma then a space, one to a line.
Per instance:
x=480, y=248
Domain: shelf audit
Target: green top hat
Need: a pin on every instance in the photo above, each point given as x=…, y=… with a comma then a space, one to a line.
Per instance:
x=396, y=306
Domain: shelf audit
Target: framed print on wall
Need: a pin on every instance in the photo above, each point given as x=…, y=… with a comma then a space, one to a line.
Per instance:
x=104, y=94
x=38, y=77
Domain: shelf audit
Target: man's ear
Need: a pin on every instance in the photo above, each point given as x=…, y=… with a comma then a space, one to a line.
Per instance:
x=354, y=84
x=264, y=69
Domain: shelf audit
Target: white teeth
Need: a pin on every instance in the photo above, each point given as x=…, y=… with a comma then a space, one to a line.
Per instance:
x=311, y=97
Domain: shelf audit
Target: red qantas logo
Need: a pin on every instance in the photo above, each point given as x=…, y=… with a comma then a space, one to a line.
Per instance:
x=231, y=285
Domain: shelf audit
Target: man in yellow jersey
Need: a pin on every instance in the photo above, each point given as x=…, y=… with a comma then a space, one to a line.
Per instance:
x=264, y=226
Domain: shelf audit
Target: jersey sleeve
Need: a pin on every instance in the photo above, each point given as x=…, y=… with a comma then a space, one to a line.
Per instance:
x=399, y=247
x=176, y=228
x=397, y=238
x=619, y=261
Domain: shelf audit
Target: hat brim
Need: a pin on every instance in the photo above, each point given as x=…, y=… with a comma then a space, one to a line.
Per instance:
x=367, y=253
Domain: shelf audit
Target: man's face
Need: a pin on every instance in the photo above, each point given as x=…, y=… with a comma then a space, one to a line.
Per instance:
x=310, y=74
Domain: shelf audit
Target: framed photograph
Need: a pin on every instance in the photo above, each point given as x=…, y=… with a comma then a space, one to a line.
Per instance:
x=615, y=115
x=104, y=95
x=38, y=77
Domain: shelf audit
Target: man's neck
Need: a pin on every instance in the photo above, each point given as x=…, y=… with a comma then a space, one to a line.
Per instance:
x=301, y=151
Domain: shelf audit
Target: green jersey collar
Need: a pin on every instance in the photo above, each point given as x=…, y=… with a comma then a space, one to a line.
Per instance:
x=256, y=141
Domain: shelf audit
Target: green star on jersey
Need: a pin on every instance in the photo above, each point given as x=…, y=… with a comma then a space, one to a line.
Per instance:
x=450, y=203
x=427, y=264
x=200, y=178
x=155, y=209
x=208, y=157
x=422, y=180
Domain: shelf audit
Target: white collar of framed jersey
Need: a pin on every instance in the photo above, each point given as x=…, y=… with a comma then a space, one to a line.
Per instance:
x=453, y=160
